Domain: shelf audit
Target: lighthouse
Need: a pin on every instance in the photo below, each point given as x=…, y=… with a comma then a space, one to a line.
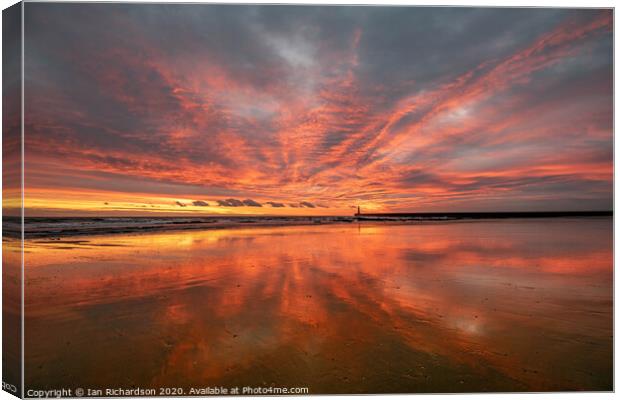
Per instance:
x=359, y=211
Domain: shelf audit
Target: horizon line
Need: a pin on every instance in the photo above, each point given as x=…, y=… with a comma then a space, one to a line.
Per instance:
x=405, y=213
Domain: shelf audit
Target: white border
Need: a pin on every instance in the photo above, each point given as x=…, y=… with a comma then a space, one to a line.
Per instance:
x=478, y=3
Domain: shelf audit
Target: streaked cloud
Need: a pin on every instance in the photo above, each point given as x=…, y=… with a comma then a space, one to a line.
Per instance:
x=393, y=109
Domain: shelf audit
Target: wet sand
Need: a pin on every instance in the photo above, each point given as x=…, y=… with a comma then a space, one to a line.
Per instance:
x=11, y=315
x=510, y=305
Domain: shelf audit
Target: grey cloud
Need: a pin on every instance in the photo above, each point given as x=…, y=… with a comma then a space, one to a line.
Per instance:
x=178, y=203
x=239, y=203
x=276, y=205
x=230, y=203
x=306, y=204
x=251, y=203
x=200, y=203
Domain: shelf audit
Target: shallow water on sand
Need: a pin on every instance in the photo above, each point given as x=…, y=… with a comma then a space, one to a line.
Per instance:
x=505, y=305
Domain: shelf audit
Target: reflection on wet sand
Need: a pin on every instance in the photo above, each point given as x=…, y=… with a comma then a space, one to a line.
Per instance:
x=439, y=307
x=11, y=314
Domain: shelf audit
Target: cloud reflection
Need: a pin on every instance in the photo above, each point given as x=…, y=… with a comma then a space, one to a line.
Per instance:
x=464, y=306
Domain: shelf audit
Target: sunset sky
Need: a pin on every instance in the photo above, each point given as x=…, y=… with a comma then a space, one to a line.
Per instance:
x=196, y=109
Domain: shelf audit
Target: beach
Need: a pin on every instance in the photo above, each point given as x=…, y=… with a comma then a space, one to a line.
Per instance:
x=351, y=307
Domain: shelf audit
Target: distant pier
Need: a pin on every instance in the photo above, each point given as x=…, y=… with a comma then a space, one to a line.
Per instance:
x=480, y=215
